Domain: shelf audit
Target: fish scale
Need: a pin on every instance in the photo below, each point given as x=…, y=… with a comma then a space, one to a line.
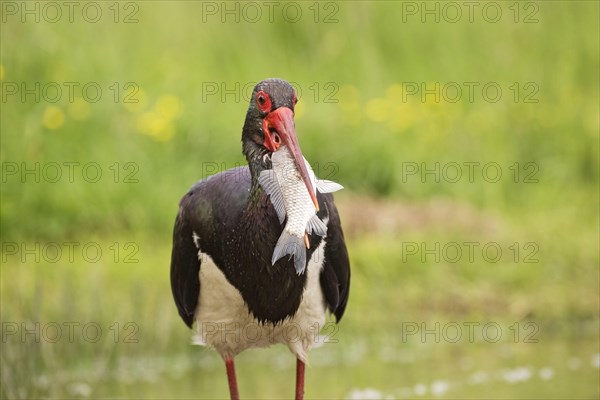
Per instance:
x=297, y=202
x=290, y=198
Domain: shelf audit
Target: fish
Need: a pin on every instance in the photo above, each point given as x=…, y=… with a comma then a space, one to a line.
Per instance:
x=290, y=197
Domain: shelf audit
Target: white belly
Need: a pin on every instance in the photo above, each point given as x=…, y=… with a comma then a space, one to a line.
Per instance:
x=224, y=322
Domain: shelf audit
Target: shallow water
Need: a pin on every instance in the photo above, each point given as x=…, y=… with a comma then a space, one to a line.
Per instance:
x=354, y=368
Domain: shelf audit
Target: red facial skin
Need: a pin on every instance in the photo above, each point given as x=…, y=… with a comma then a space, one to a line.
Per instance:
x=278, y=127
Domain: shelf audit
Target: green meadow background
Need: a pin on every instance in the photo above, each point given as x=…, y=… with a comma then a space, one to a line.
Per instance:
x=467, y=145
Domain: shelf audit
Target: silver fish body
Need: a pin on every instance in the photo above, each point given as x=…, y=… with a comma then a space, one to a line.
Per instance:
x=290, y=197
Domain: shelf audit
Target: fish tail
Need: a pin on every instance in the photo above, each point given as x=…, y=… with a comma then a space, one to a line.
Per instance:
x=292, y=245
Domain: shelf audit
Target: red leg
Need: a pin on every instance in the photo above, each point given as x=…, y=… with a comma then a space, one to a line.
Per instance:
x=233, y=389
x=299, y=379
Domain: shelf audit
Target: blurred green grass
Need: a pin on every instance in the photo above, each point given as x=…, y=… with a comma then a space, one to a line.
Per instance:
x=366, y=140
x=166, y=56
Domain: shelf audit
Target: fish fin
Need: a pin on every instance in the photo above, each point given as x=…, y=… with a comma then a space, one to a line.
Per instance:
x=311, y=174
x=292, y=245
x=325, y=186
x=316, y=226
x=322, y=185
x=268, y=181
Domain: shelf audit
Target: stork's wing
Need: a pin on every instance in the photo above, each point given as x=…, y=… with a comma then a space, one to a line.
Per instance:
x=185, y=266
x=335, y=276
x=209, y=207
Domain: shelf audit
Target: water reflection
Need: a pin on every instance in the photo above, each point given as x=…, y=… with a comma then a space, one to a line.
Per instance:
x=357, y=370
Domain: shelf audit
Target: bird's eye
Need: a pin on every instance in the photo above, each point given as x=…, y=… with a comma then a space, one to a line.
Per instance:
x=295, y=99
x=264, y=101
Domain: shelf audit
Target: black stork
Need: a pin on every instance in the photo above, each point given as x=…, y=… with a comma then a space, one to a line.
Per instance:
x=225, y=284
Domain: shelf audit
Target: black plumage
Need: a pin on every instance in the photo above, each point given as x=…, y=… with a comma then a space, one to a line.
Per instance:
x=239, y=236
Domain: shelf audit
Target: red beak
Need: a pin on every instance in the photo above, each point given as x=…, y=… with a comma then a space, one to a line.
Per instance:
x=282, y=121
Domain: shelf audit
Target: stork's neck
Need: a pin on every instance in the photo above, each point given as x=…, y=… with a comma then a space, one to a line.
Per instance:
x=258, y=161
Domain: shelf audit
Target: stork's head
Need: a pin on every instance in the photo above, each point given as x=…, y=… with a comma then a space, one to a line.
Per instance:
x=270, y=125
